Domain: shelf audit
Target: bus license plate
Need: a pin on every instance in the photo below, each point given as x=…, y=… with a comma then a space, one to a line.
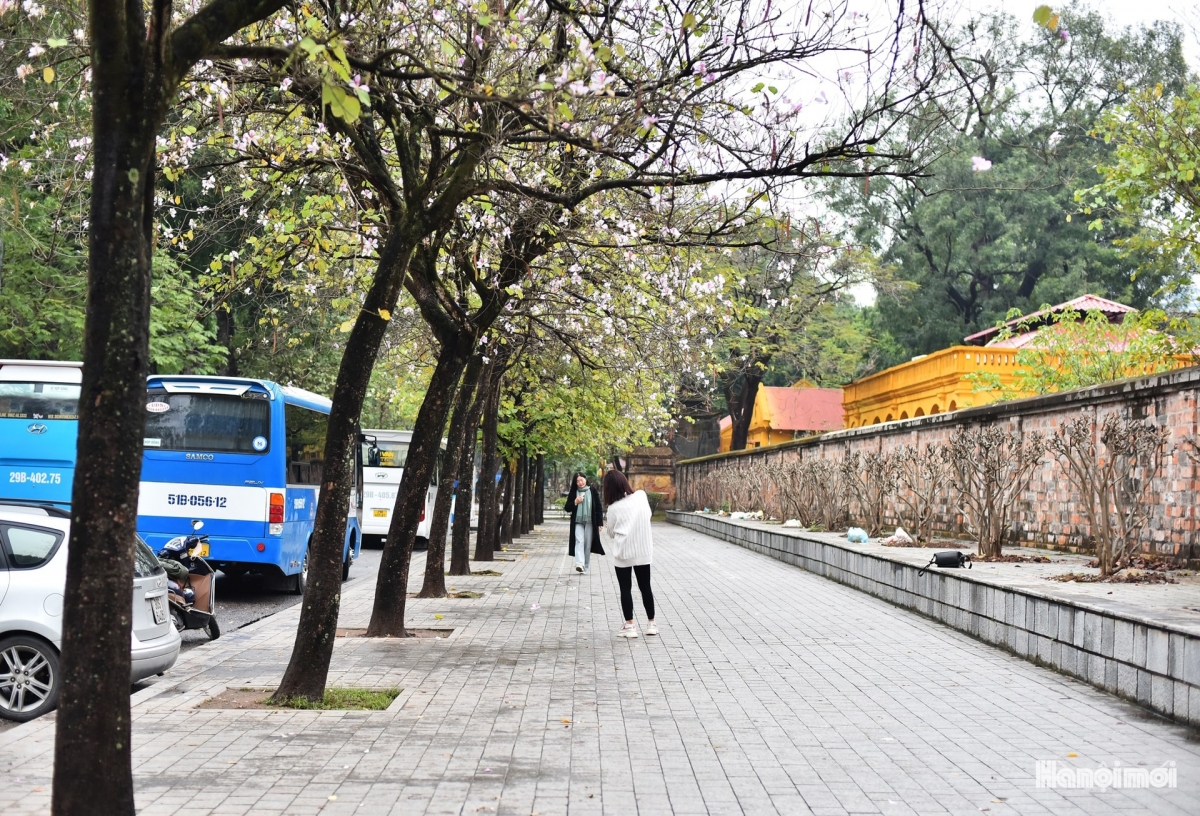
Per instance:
x=159, y=607
x=380, y=513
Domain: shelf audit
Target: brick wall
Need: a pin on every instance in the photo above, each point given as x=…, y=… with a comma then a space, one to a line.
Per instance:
x=1048, y=514
x=652, y=470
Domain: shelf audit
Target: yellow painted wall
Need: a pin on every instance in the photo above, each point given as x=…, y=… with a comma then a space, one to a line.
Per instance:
x=931, y=385
x=937, y=383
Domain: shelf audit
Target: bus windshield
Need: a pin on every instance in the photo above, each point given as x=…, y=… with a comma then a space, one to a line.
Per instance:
x=35, y=400
x=386, y=454
x=220, y=423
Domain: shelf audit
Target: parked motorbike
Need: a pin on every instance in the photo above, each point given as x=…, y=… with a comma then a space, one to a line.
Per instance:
x=191, y=597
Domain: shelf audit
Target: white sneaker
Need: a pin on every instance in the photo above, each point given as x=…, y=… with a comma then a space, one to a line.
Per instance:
x=628, y=631
x=651, y=629
x=578, y=568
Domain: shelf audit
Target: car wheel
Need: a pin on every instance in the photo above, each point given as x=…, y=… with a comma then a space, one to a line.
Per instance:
x=29, y=678
x=212, y=629
x=300, y=579
x=421, y=543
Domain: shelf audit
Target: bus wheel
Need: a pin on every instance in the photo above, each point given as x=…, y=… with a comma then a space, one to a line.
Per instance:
x=300, y=579
x=346, y=568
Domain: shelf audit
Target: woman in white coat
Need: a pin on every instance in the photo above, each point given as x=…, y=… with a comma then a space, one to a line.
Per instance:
x=628, y=531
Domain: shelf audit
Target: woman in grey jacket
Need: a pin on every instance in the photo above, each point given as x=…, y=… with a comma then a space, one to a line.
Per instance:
x=628, y=529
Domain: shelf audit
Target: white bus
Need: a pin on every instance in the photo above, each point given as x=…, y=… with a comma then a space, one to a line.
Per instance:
x=383, y=454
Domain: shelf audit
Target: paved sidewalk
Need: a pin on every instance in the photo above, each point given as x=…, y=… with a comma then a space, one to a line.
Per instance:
x=1176, y=605
x=770, y=690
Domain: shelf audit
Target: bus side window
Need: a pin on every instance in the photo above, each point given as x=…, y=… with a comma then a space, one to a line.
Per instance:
x=305, y=445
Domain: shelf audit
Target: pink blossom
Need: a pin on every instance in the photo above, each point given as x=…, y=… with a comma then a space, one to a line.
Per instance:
x=980, y=165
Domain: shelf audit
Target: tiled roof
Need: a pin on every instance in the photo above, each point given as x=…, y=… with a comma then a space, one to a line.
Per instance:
x=1083, y=304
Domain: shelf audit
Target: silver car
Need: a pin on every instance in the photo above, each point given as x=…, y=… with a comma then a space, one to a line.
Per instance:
x=33, y=574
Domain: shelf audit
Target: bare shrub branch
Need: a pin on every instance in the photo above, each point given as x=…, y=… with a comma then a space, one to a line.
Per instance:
x=990, y=469
x=1112, y=479
x=922, y=477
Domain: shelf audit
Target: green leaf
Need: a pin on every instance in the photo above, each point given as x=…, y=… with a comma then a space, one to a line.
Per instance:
x=55, y=42
x=1042, y=14
x=757, y=88
x=346, y=326
x=689, y=21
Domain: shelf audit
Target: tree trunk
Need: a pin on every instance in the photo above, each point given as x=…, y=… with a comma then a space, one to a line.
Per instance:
x=308, y=667
x=520, y=495
x=741, y=410
x=434, y=585
x=540, y=513
x=505, y=537
x=136, y=69
x=93, y=773
x=225, y=335
x=489, y=519
x=391, y=588
x=460, y=545
x=530, y=489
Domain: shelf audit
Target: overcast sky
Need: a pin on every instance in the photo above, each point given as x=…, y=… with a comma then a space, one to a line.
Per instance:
x=1124, y=12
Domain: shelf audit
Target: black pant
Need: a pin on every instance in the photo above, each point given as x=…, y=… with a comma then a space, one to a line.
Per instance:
x=626, y=581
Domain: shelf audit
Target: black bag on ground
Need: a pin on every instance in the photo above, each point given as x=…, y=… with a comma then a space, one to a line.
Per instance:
x=947, y=559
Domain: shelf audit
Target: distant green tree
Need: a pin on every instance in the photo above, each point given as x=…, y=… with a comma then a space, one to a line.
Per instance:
x=991, y=229
x=1150, y=182
x=786, y=317
x=43, y=282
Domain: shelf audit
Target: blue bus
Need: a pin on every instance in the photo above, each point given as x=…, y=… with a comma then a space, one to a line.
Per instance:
x=245, y=456
x=39, y=420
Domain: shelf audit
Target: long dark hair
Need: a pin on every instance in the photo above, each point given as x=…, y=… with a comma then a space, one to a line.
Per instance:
x=574, y=486
x=616, y=487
